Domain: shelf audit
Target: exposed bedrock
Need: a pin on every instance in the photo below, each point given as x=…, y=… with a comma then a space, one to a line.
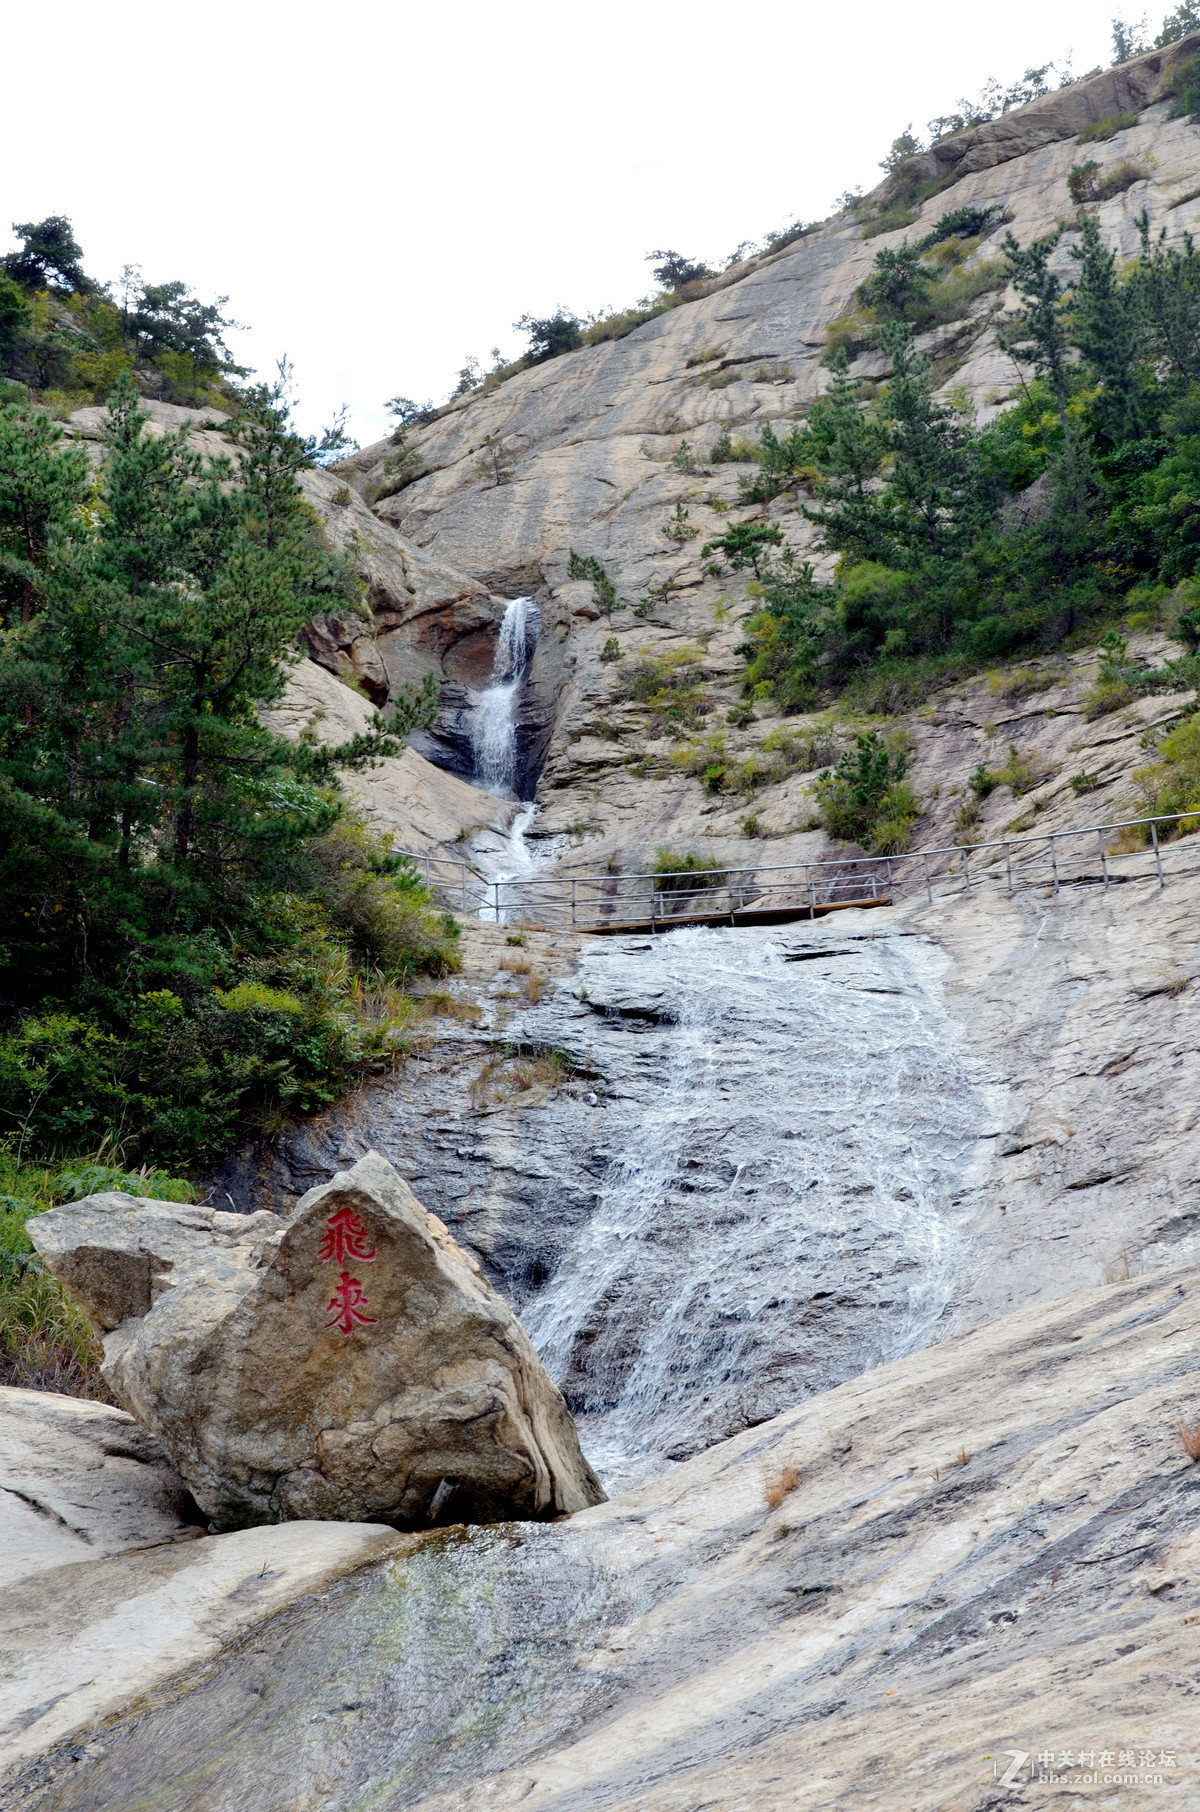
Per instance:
x=349, y=1364
x=763, y=1175
x=989, y=1548
x=753, y=1183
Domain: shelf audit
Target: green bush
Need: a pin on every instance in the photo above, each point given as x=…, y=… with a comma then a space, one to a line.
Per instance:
x=1107, y=128
x=983, y=781
x=671, y=686
x=866, y=799
x=1185, y=88
x=1021, y=772
x=616, y=326
x=604, y=592
x=679, y=529
x=744, y=544
x=968, y=222
x=674, y=873
x=1084, y=185
x=1171, y=782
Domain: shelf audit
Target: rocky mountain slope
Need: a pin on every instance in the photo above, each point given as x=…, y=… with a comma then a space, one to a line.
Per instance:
x=589, y=440
x=864, y=1249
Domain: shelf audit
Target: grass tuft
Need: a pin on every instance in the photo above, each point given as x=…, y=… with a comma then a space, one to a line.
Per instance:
x=779, y=1485
x=1189, y=1436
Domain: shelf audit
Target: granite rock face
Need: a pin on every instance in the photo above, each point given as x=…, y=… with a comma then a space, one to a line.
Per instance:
x=80, y=1480
x=594, y=437
x=349, y=1364
x=990, y=1549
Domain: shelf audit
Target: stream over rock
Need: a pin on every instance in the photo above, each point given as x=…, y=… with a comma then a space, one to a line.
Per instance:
x=777, y=1209
x=757, y=1180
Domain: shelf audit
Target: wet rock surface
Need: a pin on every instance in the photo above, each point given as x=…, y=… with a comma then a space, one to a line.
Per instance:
x=990, y=1548
x=349, y=1364
x=750, y=1180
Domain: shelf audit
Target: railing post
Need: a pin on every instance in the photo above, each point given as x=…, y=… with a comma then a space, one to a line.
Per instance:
x=1008, y=864
x=928, y=881
x=966, y=855
x=1054, y=861
x=1157, y=852
x=573, y=886
x=812, y=898
x=889, y=875
x=1103, y=857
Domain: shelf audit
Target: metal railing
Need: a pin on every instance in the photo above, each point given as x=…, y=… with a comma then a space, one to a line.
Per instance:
x=1106, y=855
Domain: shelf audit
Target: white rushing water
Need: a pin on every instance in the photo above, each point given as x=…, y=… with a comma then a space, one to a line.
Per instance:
x=777, y=1212
x=494, y=751
x=494, y=714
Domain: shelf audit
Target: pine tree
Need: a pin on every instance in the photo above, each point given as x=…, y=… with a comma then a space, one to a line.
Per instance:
x=1109, y=328
x=1037, y=334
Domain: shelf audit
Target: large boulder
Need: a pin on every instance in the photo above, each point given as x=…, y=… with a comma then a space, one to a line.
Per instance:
x=350, y=1362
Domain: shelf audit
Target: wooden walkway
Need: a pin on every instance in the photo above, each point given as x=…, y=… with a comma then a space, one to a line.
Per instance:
x=749, y=915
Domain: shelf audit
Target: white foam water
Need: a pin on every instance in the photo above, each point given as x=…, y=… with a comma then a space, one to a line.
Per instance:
x=494, y=715
x=778, y=1208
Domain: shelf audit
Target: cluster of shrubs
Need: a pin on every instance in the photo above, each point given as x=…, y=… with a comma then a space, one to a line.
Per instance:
x=66, y=339
x=201, y=938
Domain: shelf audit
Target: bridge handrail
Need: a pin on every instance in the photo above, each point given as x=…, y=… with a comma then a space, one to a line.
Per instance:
x=822, y=881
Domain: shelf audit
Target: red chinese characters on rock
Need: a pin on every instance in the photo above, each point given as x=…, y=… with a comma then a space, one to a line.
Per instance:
x=347, y=1305
x=347, y=1238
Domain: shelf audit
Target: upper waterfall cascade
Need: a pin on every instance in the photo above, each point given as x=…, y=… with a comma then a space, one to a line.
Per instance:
x=495, y=753
x=494, y=715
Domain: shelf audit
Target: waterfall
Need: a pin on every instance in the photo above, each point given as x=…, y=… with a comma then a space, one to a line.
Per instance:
x=782, y=1158
x=494, y=753
x=494, y=714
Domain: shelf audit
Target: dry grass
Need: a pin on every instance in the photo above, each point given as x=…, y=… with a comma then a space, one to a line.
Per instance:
x=515, y=965
x=779, y=1485
x=441, y=1004
x=503, y=1077
x=1189, y=1437
x=1121, y=1268
x=46, y=1340
x=963, y=1455
x=535, y=983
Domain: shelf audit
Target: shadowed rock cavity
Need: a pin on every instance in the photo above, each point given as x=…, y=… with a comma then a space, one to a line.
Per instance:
x=350, y=1363
x=472, y=667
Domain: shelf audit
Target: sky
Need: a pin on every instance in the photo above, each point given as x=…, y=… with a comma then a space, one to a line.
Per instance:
x=382, y=190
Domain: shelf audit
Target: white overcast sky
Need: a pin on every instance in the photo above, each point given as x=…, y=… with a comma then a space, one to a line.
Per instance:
x=382, y=189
